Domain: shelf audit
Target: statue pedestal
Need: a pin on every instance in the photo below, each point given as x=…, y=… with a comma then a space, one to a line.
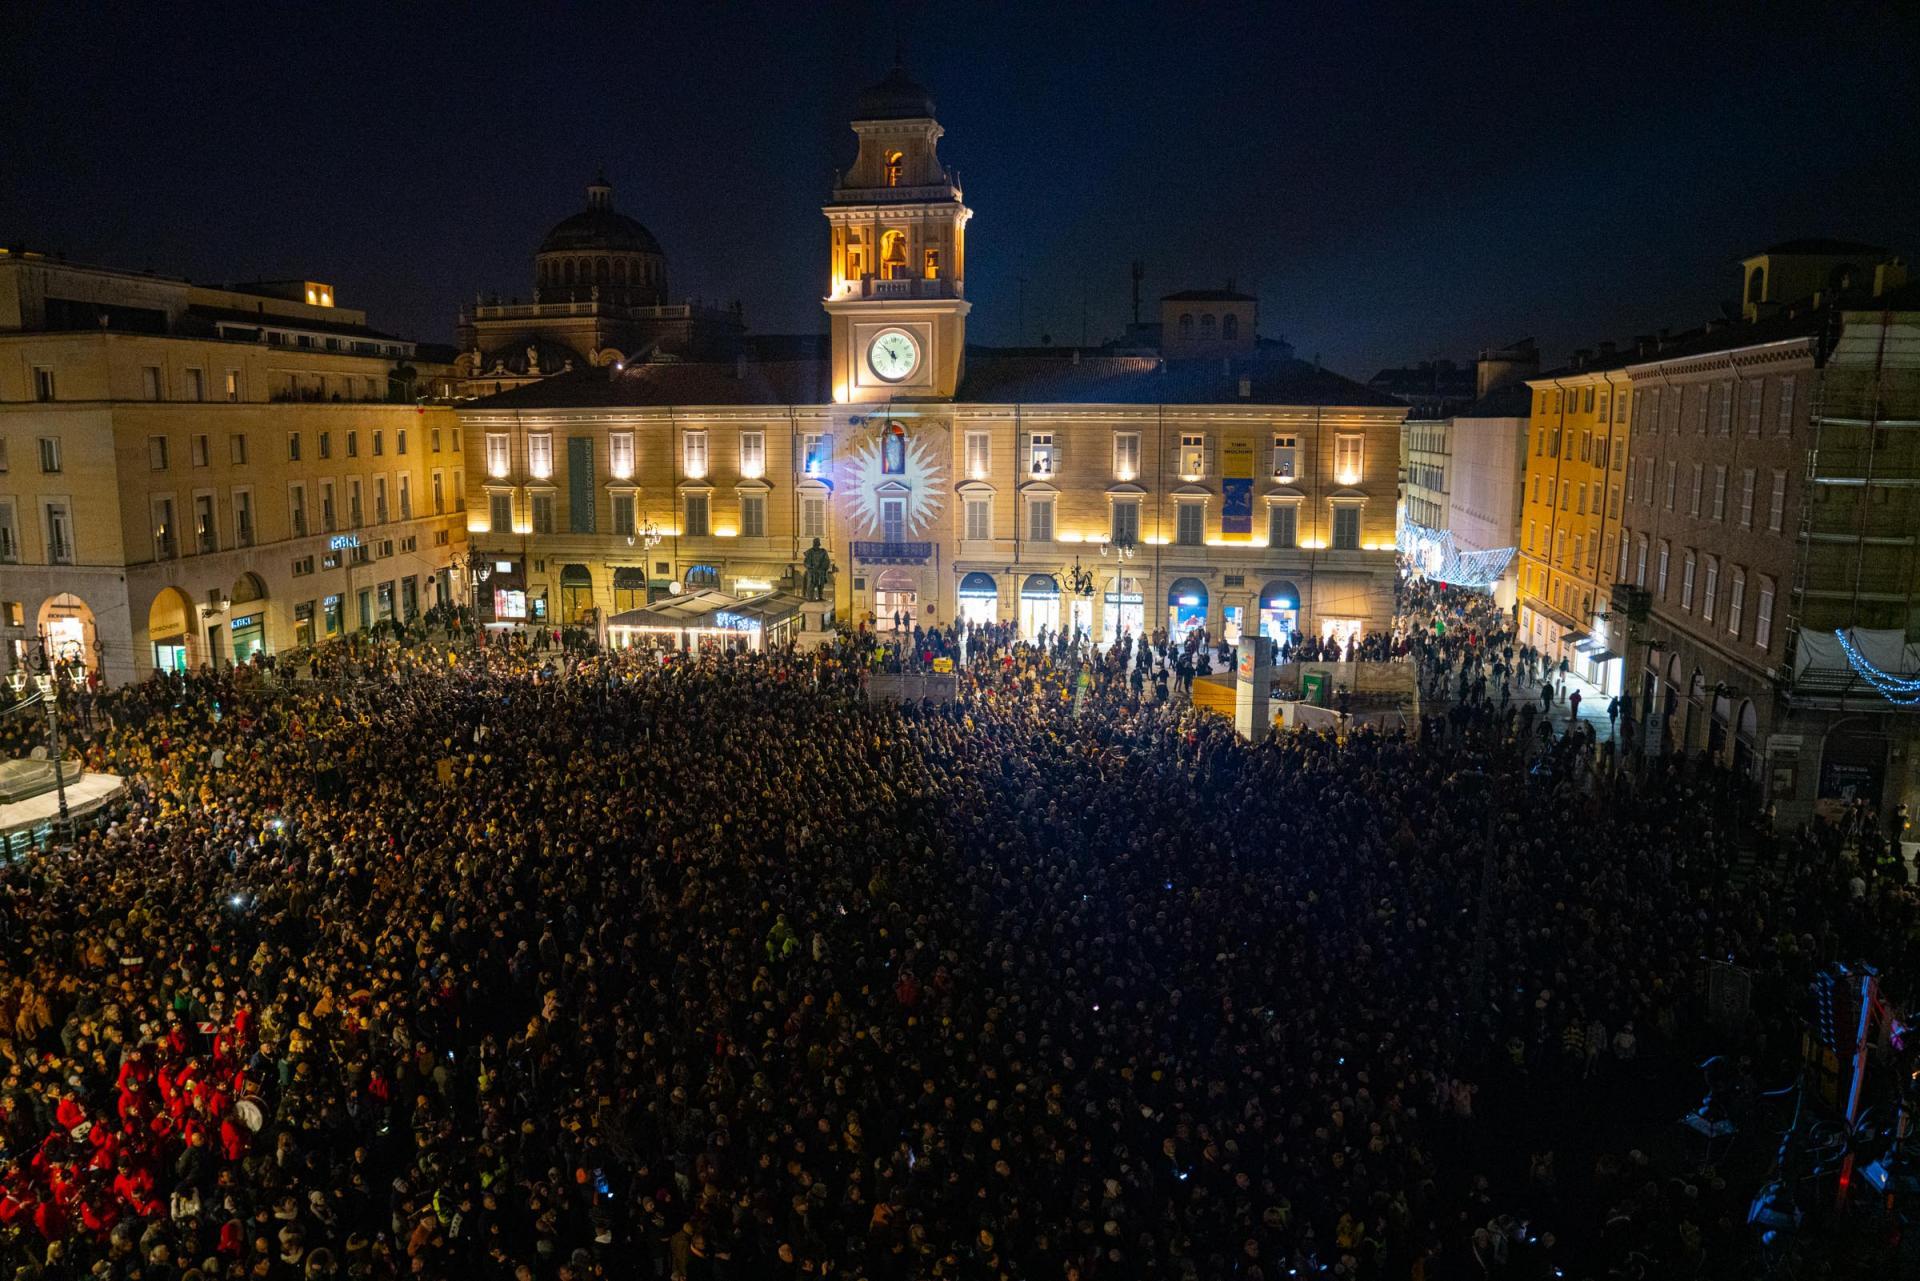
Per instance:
x=816, y=628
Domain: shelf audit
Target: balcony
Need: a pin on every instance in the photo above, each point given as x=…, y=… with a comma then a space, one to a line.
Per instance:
x=908, y=287
x=893, y=553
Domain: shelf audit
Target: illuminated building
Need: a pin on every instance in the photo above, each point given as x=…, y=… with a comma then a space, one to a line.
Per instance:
x=1770, y=503
x=177, y=463
x=1574, y=471
x=948, y=481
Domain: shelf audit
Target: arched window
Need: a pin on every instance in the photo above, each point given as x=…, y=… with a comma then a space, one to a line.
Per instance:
x=896, y=165
x=1186, y=324
x=620, y=272
x=602, y=269
x=567, y=269
x=893, y=255
x=1757, y=285
x=1230, y=326
x=1206, y=325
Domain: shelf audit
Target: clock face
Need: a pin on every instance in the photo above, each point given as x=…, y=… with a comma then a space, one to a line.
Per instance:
x=893, y=355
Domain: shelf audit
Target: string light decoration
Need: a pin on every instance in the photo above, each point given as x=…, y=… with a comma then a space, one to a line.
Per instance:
x=1899, y=690
x=1477, y=570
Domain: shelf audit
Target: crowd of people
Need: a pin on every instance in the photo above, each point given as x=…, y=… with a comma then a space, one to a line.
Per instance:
x=504, y=963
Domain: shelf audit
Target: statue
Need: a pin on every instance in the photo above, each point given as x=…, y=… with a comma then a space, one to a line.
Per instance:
x=533, y=359
x=819, y=571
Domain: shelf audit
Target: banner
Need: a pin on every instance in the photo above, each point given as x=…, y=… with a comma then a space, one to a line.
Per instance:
x=1236, y=485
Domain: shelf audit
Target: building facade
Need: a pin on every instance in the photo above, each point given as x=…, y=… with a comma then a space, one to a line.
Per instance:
x=947, y=481
x=1487, y=451
x=1574, y=476
x=1771, y=506
x=193, y=475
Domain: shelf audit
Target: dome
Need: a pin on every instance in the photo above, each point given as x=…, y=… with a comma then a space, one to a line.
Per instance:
x=897, y=97
x=599, y=227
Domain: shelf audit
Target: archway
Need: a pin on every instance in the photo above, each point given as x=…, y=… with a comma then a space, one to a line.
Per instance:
x=1720, y=725
x=1696, y=711
x=1279, y=611
x=247, y=615
x=1039, y=605
x=1186, y=607
x=1853, y=763
x=576, y=595
x=169, y=630
x=896, y=599
x=1126, y=609
x=979, y=599
x=1746, y=737
x=73, y=642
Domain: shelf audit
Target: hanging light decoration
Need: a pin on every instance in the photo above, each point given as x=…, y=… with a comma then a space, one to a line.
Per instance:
x=1898, y=690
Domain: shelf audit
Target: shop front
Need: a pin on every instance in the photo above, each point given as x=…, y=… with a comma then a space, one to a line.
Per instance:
x=630, y=588
x=1126, y=609
x=979, y=599
x=1279, y=611
x=1342, y=631
x=249, y=635
x=1039, y=605
x=1186, y=607
x=508, y=585
x=576, y=595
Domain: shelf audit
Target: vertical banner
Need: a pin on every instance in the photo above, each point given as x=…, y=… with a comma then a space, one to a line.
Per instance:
x=1236, y=484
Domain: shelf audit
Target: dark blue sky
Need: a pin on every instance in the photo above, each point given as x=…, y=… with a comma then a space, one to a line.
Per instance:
x=1396, y=183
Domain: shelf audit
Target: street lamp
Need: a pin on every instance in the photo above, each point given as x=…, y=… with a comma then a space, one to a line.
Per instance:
x=1079, y=580
x=647, y=537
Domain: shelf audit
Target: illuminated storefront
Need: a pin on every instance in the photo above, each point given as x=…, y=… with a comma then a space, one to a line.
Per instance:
x=1126, y=609
x=1186, y=607
x=1279, y=611
x=979, y=599
x=1039, y=605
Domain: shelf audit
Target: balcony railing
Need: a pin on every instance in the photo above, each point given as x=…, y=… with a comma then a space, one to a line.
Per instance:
x=907, y=287
x=893, y=553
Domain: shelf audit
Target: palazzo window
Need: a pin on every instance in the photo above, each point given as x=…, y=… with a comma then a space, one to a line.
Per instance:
x=979, y=519
x=1190, y=524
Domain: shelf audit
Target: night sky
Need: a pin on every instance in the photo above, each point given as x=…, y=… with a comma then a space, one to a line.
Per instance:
x=1393, y=183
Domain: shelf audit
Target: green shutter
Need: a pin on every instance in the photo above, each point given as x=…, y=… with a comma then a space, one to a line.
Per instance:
x=580, y=497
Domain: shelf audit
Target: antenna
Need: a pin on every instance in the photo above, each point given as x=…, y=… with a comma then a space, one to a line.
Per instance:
x=1139, y=274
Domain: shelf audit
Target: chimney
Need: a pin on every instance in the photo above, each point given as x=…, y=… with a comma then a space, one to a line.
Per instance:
x=740, y=366
x=1644, y=344
x=1246, y=387
x=1582, y=357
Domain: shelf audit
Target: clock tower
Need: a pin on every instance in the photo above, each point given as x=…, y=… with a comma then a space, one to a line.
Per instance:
x=897, y=296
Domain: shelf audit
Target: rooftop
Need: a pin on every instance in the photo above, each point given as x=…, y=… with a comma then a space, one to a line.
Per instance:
x=898, y=97
x=1817, y=245
x=1515, y=400
x=1207, y=295
x=992, y=377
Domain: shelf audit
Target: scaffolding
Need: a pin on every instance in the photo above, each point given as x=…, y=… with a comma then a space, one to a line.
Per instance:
x=1857, y=549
